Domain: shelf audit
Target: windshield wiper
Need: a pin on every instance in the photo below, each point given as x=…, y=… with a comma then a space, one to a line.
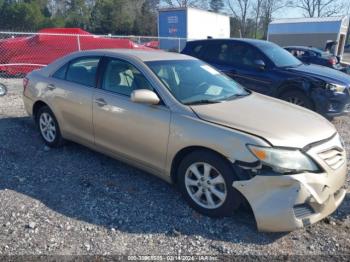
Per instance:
x=203, y=101
x=235, y=96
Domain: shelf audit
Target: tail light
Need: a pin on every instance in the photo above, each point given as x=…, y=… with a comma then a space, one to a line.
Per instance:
x=332, y=61
x=25, y=83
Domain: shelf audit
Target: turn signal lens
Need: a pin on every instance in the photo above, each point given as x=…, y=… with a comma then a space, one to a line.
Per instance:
x=259, y=154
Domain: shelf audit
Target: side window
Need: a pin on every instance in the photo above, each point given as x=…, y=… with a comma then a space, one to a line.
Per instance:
x=212, y=52
x=293, y=52
x=243, y=55
x=224, y=55
x=123, y=78
x=83, y=71
x=198, y=50
x=313, y=54
x=304, y=53
x=61, y=73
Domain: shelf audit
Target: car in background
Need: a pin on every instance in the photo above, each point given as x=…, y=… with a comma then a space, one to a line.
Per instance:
x=266, y=68
x=311, y=55
x=20, y=55
x=182, y=120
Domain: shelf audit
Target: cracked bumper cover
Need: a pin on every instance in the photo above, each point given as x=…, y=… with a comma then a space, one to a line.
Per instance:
x=288, y=202
x=274, y=198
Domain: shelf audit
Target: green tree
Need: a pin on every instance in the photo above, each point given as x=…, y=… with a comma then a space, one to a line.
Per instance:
x=77, y=13
x=113, y=16
x=20, y=16
x=217, y=5
x=146, y=19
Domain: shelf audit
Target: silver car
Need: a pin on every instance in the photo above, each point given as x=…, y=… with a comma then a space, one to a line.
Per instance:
x=180, y=119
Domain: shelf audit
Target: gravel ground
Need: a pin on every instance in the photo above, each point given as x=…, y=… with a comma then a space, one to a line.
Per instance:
x=73, y=201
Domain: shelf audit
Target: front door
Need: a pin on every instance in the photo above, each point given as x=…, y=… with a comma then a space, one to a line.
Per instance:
x=137, y=132
x=244, y=58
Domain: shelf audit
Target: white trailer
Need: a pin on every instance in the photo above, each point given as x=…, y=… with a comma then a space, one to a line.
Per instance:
x=190, y=23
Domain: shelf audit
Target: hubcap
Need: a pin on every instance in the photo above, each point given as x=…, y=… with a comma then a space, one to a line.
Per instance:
x=295, y=100
x=47, y=127
x=2, y=89
x=205, y=185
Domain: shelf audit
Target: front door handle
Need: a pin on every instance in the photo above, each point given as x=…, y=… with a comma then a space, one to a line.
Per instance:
x=51, y=87
x=100, y=102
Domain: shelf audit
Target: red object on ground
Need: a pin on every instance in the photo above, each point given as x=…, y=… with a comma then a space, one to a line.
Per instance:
x=20, y=55
x=152, y=44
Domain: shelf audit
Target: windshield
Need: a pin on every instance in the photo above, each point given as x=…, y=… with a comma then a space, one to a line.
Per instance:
x=194, y=82
x=279, y=56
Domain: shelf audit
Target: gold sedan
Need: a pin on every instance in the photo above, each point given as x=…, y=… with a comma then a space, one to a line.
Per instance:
x=180, y=119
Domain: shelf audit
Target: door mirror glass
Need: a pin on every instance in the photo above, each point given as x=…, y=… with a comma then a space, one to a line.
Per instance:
x=145, y=96
x=260, y=64
x=3, y=90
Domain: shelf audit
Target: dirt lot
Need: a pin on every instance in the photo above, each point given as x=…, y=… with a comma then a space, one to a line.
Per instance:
x=74, y=201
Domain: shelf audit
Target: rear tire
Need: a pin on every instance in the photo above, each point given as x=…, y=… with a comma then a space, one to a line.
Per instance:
x=205, y=180
x=298, y=98
x=48, y=127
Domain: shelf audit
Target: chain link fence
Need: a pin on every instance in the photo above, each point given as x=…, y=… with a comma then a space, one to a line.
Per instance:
x=22, y=52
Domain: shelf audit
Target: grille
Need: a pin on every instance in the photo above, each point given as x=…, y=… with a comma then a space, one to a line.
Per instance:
x=302, y=211
x=334, y=158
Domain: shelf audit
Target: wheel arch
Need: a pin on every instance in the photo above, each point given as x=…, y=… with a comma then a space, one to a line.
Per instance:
x=36, y=107
x=180, y=155
x=302, y=85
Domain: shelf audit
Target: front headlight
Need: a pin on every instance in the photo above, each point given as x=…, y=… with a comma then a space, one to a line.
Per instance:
x=335, y=87
x=283, y=160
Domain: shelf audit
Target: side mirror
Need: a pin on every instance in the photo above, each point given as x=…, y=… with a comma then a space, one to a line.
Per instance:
x=260, y=64
x=145, y=96
x=3, y=90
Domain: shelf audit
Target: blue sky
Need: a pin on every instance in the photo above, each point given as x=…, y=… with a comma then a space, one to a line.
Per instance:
x=287, y=12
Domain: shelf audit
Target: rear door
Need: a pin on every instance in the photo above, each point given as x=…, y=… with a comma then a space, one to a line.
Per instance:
x=133, y=131
x=71, y=89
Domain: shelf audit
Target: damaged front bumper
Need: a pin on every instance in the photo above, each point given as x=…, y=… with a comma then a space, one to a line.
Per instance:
x=288, y=202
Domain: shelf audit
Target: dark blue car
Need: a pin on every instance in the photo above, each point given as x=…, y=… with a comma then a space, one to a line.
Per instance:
x=311, y=55
x=266, y=68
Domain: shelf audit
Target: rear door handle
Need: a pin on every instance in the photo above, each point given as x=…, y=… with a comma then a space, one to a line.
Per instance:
x=51, y=87
x=100, y=102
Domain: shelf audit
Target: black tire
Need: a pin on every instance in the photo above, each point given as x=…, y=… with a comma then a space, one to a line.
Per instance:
x=58, y=139
x=233, y=197
x=297, y=97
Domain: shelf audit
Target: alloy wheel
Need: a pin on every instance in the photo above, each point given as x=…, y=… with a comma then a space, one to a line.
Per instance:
x=205, y=185
x=295, y=100
x=47, y=127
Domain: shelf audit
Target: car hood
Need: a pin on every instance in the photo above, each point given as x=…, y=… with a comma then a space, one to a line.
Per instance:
x=322, y=72
x=281, y=123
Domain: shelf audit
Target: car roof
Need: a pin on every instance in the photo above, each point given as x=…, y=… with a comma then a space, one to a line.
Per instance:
x=144, y=55
x=254, y=42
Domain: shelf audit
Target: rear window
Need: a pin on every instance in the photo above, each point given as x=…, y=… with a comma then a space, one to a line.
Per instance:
x=61, y=73
x=83, y=71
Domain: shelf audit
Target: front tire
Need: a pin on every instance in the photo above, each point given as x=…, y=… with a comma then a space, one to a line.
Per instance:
x=48, y=127
x=298, y=98
x=205, y=180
